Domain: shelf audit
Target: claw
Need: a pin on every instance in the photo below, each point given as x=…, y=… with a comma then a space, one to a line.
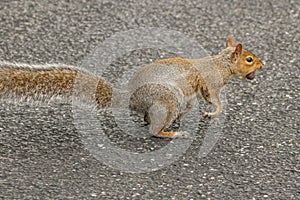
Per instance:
x=207, y=115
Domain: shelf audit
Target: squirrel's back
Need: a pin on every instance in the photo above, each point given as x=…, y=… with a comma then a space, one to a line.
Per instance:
x=179, y=75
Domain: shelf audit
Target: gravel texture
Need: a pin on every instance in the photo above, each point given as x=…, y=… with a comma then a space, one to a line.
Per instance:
x=42, y=155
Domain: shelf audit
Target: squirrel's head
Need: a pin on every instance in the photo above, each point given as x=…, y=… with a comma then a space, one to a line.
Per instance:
x=244, y=63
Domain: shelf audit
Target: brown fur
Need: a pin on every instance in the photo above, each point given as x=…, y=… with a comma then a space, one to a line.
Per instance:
x=193, y=77
x=25, y=82
x=48, y=82
x=159, y=99
x=103, y=93
x=240, y=67
x=229, y=63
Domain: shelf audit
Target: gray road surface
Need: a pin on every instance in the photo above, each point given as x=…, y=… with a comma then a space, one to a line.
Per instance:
x=42, y=155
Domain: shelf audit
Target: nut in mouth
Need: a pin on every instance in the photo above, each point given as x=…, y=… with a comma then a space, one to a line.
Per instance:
x=251, y=75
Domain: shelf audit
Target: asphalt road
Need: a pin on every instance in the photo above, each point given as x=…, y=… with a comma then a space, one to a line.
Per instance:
x=43, y=155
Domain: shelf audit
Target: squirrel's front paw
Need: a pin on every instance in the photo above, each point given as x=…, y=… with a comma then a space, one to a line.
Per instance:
x=207, y=115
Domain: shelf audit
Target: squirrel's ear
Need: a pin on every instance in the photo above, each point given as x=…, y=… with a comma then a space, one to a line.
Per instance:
x=230, y=42
x=237, y=53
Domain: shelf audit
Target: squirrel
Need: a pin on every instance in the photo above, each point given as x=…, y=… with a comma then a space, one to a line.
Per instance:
x=163, y=91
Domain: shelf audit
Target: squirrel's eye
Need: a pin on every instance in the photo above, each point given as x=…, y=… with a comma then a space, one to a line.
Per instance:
x=249, y=59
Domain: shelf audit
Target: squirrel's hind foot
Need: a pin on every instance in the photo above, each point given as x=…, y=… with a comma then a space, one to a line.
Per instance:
x=179, y=134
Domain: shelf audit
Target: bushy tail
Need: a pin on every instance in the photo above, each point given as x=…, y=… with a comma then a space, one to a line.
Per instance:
x=52, y=80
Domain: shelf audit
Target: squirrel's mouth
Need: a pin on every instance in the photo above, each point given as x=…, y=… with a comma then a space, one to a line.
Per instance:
x=251, y=75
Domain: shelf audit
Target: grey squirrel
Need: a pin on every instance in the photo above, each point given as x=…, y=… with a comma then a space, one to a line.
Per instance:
x=163, y=91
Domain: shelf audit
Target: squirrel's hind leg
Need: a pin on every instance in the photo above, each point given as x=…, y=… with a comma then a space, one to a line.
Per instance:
x=162, y=118
x=147, y=119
